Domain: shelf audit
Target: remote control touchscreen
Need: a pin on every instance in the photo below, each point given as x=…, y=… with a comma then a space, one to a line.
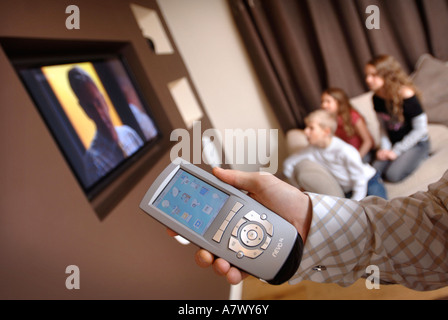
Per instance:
x=191, y=201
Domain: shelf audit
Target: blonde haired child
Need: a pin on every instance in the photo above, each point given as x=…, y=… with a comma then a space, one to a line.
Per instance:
x=342, y=160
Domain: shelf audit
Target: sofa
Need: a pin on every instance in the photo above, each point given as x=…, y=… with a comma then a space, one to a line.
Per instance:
x=431, y=78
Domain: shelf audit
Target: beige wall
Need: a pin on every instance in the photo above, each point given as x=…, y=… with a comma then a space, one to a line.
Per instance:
x=215, y=56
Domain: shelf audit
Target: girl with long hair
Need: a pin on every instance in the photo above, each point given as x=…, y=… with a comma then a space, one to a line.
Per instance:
x=403, y=122
x=351, y=125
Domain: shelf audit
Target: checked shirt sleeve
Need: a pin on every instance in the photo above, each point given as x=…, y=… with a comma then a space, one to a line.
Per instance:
x=406, y=238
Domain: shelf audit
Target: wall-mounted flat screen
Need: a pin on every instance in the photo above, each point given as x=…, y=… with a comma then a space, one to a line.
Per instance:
x=96, y=113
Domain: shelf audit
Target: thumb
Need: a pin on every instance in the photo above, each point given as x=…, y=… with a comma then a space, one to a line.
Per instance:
x=239, y=179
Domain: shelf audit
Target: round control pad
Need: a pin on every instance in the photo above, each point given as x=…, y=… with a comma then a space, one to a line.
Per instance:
x=251, y=234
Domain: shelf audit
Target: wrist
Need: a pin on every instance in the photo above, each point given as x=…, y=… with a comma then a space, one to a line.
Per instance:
x=303, y=221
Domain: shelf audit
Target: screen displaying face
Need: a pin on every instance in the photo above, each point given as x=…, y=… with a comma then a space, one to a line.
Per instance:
x=94, y=111
x=191, y=201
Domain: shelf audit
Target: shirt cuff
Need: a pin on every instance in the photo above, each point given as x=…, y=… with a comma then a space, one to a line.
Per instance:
x=333, y=250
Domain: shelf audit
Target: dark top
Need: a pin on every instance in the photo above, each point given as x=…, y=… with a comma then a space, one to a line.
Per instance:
x=395, y=129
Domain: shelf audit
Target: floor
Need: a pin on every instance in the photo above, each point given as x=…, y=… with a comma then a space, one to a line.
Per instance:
x=254, y=289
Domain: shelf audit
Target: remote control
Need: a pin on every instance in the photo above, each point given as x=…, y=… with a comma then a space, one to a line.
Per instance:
x=225, y=221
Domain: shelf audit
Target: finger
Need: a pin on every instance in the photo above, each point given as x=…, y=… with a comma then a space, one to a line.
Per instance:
x=235, y=276
x=203, y=258
x=171, y=233
x=221, y=266
x=238, y=179
x=232, y=274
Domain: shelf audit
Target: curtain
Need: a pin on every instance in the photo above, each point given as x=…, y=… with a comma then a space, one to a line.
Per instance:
x=301, y=47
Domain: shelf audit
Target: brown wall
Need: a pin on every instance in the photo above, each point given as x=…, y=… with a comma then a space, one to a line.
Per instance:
x=46, y=222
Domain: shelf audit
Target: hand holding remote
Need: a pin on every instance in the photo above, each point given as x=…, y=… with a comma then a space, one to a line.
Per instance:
x=286, y=200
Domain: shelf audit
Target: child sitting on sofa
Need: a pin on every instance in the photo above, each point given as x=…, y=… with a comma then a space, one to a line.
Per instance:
x=342, y=160
x=403, y=122
x=351, y=125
